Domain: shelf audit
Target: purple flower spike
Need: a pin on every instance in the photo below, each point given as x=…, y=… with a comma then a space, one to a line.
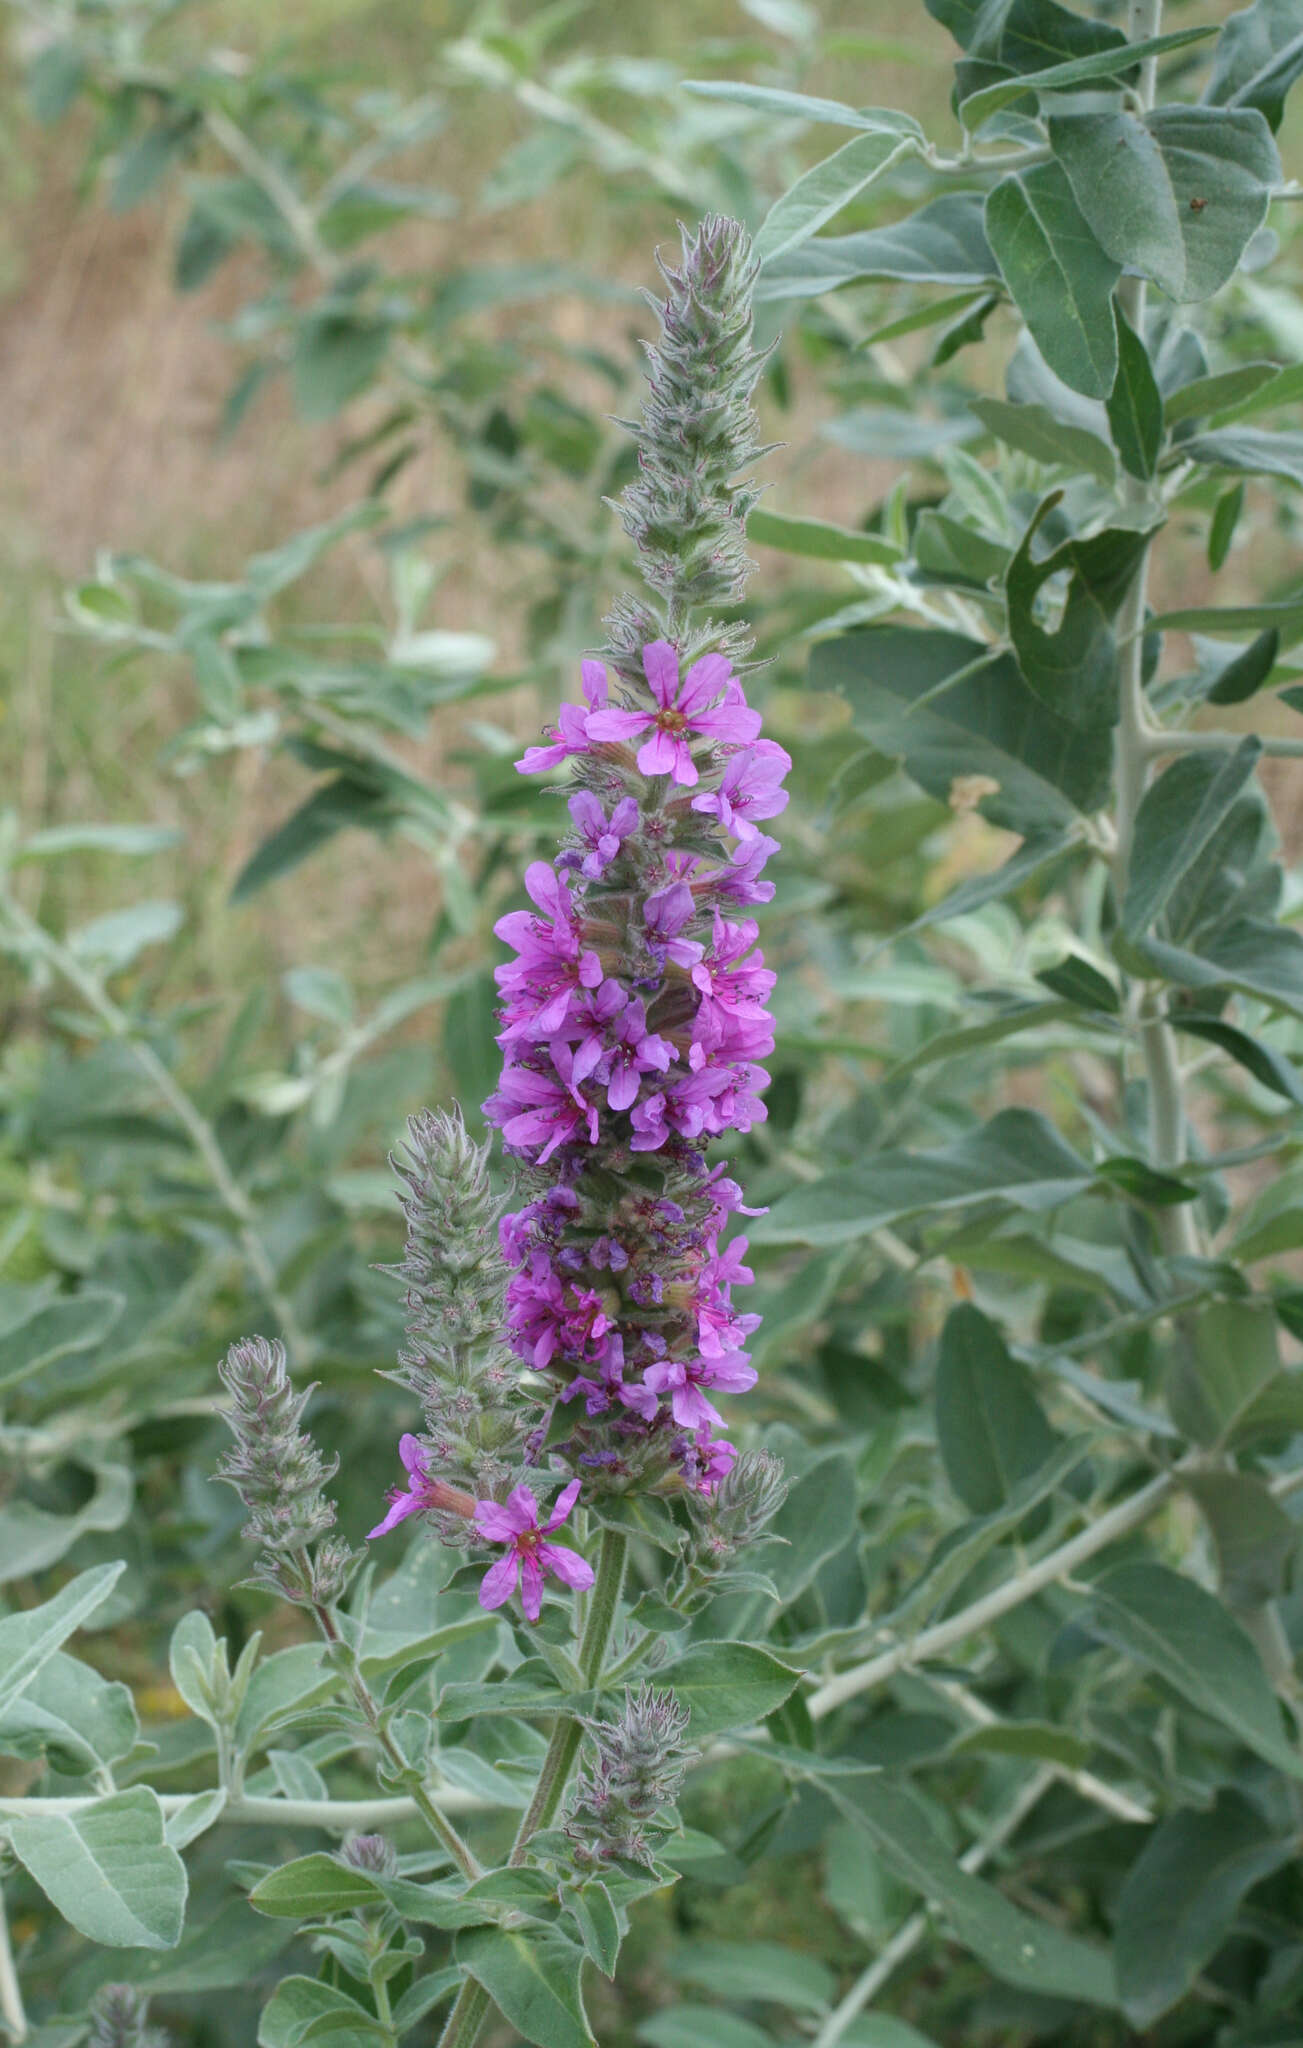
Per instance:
x=683, y=707
x=529, y=1560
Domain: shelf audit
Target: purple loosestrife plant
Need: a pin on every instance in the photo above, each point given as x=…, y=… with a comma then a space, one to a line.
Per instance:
x=634, y=1011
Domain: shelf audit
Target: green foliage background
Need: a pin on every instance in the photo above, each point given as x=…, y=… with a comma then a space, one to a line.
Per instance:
x=344, y=468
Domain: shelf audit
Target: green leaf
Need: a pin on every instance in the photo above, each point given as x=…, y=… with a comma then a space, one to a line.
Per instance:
x=1018, y=1158
x=825, y=189
x=1285, y=618
x=71, y=1716
x=597, y=1921
x=1178, y=815
x=131, y=840
x=1183, y=1634
x=1249, y=450
x=298, y=2004
x=1038, y=432
x=283, y=1685
x=1222, y=525
x=1135, y=180
x=1205, y=395
x=799, y=106
x=1180, y=1899
x=107, y=1868
x=880, y=2030
x=1113, y=64
x=1247, y=671
x=312, y=1886
x=727, y=1685
x=338, y=805
x=1230, y=1389
x=1135, y=404
x=1259, y=56
x=701, y=2026
x=1042, y=1740
x=50, y=1329
x=943, y=243
x=336, y=355
x=817, y=1520
x=533, y=1979
x=952, y=710
x=1265, y=1064
x=1074, y=669
x=1022, y=34
x=1020, y=1950
x=29, y=1639
x=54, y=78
x=1255, y=1539
x=820, y=539
x=1058, y=276
x=1078, y=981
x=114, y=941
x=756, y=1970
x=992, y=1432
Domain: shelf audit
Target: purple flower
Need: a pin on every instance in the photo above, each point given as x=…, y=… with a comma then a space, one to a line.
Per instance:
x=683, y=1380
x=631, y=1051
x=751, y=787
x=535, y=1107
x=552, y=966
x=422, y=1492
x=602, y=836
x=571, y=736
x=529, y=1559
x=682, y=708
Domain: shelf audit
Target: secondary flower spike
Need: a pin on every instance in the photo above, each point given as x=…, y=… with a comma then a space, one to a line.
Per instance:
x=634, y=1013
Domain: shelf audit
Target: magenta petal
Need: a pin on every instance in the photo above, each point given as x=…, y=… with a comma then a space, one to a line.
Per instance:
x=566, y=1565
x=622, y=1089
x=704, y=680
x=658, y=752
x=562, y=1505
x=412, y=1453
x=400, y=1507
x=660, y=664
x=523, y=1508
x=685, y=768
x=736, y=723
x=531, y=1585
x=495, y=1522
x=616, y=725
x=535, y=759
x=499, y=1581
x=594, y=681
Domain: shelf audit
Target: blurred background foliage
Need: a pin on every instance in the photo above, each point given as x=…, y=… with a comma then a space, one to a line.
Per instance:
x=314, y=316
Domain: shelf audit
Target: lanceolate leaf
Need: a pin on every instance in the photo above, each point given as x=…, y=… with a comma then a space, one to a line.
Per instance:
x=1262, y=1061
x=28, y=1639
x=818, y=538
x=943, y=243
x=1248, y=671
x=991, y=1428
x=1258, y=58
x=1180, y=1899
x=1174, y=1628
x=825, y=190
x=1177, y=817
x=1017, y=1158
x=1037, y=432
x=1250, y=451
x=1135, y=404
x=1016, y=1947
x=1176, y=196
x=1117, y=63
x=1074, y=669
x=1024, y=34
x=1059, y=277
x=953, y=710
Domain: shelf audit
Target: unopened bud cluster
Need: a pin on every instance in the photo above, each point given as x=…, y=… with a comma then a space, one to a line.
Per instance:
x=622, y=1804
x=119, y=2018
x=279, y=1474
x=726, y=1523
x=371, y=1853
x=455, y=1361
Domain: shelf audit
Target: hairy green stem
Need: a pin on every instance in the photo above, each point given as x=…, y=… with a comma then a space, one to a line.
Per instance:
x=439, y=1825
x=567, y=1735
x=473, y=2003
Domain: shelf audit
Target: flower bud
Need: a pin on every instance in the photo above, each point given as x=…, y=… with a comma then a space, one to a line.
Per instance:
x=631, y=1777
x=118, y=2015
x=274, y=1465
